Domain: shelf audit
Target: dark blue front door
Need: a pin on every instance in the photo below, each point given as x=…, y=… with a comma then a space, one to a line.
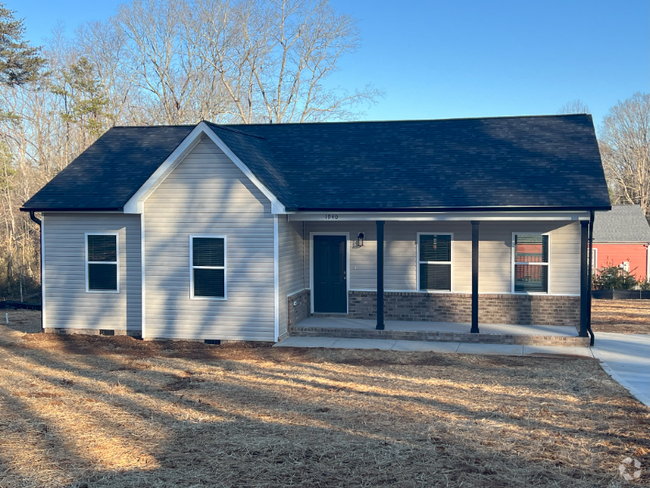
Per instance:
x=330, y=290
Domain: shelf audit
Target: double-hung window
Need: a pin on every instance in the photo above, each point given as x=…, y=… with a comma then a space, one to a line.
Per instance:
x=531, y=260
x=208, y=267
x=101, y=263
x=434, y=262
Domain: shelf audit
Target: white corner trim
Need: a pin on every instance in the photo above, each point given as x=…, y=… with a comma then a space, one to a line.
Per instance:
x=276, y=278
x=135, y=205
x=142, y=278
x=43, y=306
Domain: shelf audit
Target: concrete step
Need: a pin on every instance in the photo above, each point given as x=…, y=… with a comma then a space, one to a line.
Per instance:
x=436, y=336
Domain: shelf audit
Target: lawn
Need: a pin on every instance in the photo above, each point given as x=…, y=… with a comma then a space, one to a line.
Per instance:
x=114, y=411
x=626, y=316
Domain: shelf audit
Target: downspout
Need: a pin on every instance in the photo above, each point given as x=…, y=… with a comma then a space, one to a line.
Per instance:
x=590, y=271
x=40, y=230
x=34, y=218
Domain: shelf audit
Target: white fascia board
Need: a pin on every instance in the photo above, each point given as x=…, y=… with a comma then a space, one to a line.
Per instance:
x=436, y=216
x=135, y=205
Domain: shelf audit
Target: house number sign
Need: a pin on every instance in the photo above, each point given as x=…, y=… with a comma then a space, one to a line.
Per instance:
x=331, y=217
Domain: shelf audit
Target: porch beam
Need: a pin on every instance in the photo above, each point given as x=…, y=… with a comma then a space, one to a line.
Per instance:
x=326, y=216
x=475, y=237
x=584, y=279
x=380, y=274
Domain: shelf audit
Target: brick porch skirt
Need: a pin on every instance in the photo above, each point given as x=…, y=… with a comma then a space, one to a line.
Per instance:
x=457, y=308
x=451, y=307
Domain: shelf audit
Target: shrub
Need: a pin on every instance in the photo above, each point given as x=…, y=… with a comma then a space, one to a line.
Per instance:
x=614, y=278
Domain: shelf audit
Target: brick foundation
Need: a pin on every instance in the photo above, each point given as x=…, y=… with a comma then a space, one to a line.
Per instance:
x=302, y=307
x=457, y=308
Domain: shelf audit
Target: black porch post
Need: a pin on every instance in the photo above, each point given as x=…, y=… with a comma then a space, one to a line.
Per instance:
x=475, y=236
x=380, y=275
x=590, y=274
x=584, y=278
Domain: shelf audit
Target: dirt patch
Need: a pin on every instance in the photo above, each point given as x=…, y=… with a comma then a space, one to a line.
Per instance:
x=23, y=320
x=115, y=411
x=624, y=316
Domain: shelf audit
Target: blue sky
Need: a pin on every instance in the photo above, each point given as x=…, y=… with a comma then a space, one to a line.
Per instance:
x=464, y=58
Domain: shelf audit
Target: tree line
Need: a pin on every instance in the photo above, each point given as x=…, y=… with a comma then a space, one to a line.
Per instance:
x=157, y=62
x=183, y=61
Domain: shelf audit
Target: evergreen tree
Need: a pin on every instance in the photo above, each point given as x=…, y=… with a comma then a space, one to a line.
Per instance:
x=19, y=62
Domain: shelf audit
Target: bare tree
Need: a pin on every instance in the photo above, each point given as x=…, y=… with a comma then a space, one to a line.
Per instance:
x=156, y=62
x=273, y=57
x=161, y=61
x=574, y=107
x=625, y=150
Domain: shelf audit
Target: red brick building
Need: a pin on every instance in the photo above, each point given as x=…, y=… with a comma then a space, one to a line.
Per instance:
x=622, y=238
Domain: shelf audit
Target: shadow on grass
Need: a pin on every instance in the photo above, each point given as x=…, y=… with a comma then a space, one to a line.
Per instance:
x=94, y=411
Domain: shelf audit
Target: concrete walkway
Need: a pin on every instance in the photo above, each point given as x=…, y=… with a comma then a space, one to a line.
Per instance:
x=625, y=357
x=428, y=346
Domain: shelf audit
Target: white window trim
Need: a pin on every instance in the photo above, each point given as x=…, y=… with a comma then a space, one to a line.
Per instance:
x=512, y=264
x=347, y=266
x=116, y=263
x=418, y=262
x=224, y=267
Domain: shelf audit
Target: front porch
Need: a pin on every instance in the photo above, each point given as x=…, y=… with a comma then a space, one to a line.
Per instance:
x=416, y=277
x=400, y=330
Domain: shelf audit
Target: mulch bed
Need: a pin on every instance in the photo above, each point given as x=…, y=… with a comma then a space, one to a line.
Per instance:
x=114, y=411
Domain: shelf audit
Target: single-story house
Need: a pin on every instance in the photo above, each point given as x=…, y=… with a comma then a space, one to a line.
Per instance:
x=622, y=239
x=238, y=232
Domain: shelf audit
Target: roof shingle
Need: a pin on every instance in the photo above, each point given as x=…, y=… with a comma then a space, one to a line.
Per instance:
x=508, y=162
x=623, y=223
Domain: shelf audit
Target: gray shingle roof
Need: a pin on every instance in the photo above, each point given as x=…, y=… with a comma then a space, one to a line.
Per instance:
x=549, y=162
x=623, y=223
x=110, y=171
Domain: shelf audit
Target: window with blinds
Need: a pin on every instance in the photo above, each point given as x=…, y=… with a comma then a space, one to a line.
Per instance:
x=208, y=267
x=531, y=261
x=101, y=262
x=434, y=262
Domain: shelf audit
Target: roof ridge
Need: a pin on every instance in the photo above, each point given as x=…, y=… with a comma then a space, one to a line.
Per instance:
x=451, y=119
x=223, y=127
x=155, y=126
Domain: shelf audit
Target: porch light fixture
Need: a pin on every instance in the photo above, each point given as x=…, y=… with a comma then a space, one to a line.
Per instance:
x=360, y=238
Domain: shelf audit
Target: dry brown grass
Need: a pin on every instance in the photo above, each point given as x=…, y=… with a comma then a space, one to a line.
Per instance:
x=625, y=316
x=22, y=320
x=114, y=411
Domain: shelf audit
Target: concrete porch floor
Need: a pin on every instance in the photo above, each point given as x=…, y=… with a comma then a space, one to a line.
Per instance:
x=343, y=327
x=437, y=347
x=406, y=325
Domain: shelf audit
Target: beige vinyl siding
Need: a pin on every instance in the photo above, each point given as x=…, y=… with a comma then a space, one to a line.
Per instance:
x=495, y=254
x=291, y=267
x=67, y=303
x=207, y=195
x=565, y=260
